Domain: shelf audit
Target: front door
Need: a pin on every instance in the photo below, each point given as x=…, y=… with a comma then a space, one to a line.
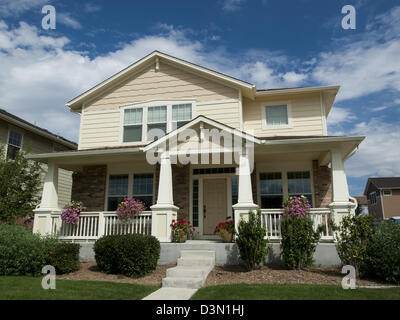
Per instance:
x=214, y=202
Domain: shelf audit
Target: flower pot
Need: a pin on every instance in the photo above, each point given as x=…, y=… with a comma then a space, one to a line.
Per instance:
x=180, y=237
x=225, y=236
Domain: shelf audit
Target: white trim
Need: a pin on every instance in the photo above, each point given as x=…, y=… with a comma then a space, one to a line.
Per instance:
x=101, y=111
x=80, y=126
x=240, y=110
x=16, y=130
x=296, y=90
x=387, y=195
x=264, y=124
x=211, y=102
x=323, y=116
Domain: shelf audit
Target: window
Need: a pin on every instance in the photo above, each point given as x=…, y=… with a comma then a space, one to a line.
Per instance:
x=299, y=183
x=276, y=116
x=234, y=190
x=214, y=170
x=387, y=192
x=14, y=144
x=156, y=122
x=133, y=119
x=117, y=190
x=181, y=114
x=195, y=203
x=271, y=190
x=372, y=198
x=143, y=188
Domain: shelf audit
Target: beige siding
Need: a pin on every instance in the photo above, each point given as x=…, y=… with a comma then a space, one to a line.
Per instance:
x=3, y=134
x=306, y=116
x=167, y=83
x=226, y=113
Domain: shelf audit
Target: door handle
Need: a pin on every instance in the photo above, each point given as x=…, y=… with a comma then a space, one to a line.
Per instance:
x=204, y=211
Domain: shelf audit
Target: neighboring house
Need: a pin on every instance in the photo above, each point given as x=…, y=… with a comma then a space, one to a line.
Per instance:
x=282, y=149
x=383, y=197
x=17, y=134
x=362, y=209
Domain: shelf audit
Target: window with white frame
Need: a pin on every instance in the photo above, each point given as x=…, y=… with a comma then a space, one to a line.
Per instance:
x=133, y=125
x=156, y=122
x=143, y=188
x=117, y=190
x=387, y=192
x=271, y=191
x=299, y=183
x=181, y=114
x=276, y=116
x=14, y=144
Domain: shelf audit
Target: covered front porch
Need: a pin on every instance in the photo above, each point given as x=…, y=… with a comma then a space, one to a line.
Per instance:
x=204, y=194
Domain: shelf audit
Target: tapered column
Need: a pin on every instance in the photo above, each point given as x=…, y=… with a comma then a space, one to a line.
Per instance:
x=164, y=211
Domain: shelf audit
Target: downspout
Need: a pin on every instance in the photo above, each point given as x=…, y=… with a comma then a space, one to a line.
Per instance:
x=354, y=200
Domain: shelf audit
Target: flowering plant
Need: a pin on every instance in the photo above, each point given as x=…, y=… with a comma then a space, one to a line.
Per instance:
x=225, y=229
x=128, y=208
x=180, y=230
x=296, y=207
x=71, y=212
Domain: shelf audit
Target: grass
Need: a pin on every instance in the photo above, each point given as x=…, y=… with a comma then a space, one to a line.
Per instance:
x=293, y=292
x=29, y=288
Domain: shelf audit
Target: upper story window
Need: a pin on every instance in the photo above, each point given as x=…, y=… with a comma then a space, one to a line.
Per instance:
x=151, y=122
x=372, y=198
x=14, y=144
x=387, y=192
x=276, y=116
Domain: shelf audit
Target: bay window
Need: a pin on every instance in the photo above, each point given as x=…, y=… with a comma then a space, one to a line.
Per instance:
x=181, y=114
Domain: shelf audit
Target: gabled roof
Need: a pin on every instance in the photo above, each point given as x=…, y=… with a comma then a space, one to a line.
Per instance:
x=383, y=183
x=155, y=57
x=205, y=120
x=17, y=121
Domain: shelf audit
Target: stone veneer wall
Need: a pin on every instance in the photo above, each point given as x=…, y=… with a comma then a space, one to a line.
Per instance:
x=322, y=185
x=181, y=190
x=89, y=186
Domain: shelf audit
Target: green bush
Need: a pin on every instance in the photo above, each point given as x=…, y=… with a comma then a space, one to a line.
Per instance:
x=21, y=252
x=133, y=255
x=250, y=241
x=64, y=257
x=383, y=253
x=354, y=234
x=298, y=242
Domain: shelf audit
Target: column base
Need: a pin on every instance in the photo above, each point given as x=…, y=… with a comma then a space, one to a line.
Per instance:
x=241, y=212
x=161, y=219
x=42, y=223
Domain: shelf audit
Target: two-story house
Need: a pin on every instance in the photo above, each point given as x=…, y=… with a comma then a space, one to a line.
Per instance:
x=196, y=144
x=18, y=134
x=383, y=196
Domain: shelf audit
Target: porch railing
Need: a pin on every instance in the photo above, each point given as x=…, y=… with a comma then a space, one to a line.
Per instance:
x=93, y=225
x=271, y=221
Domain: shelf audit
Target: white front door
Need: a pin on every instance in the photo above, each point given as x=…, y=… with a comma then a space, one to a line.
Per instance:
x=214, y=203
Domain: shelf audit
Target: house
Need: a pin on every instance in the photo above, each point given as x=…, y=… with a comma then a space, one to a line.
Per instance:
x=196, y=144
x=17, y=134
x=362, y=209
x=383, y=197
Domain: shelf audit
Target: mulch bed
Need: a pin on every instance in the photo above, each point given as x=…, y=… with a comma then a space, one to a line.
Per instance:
x=226, y=275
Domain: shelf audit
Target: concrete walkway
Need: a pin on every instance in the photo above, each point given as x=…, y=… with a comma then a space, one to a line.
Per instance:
x=182, y=281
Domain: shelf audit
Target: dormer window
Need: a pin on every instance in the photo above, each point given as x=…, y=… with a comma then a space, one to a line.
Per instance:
x=151, y=121
x=276, y=116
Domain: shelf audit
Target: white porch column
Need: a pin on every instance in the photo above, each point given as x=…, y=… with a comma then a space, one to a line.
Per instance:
x=245, y=192
x=341, y=204
x=42, y=223
x=164, y=211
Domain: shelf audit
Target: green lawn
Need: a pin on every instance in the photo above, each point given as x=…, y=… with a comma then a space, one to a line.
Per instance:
x=292, y=292
x=29, y=288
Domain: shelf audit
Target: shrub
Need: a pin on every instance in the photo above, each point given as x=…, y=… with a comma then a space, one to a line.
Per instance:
x=299, y=239
x=133, y=255
x=23, y=253
x=383, y=253
x=64, y=257
x=251, y=242
x=354, y=234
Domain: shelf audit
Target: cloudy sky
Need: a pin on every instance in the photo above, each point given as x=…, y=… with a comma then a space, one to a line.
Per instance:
x=272, y=44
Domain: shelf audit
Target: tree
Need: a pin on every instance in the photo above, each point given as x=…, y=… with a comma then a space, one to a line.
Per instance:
x=19, y=187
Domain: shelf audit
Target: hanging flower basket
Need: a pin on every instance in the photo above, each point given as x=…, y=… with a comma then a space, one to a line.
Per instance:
x=129, y=208
x=71, y=212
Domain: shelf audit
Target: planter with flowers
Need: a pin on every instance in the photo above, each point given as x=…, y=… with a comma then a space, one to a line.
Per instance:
x=129, y=208
x=180, y=230
x=71, y=212
x=225, y=230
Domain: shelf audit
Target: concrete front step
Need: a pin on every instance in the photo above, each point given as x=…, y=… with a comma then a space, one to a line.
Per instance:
x=196, y=261
x=197, y=253
x=188, y=272
x=182, y=282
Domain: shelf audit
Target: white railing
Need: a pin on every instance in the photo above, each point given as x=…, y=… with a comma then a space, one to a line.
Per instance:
x=93, y=225
x=271, y=221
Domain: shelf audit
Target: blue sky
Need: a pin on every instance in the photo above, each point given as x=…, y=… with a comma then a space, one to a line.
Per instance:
x=269, y=43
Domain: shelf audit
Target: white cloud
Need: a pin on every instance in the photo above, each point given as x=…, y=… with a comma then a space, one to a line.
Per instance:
x=339, y=115
x=10, y=8
x=91, y=7
x=232, y=5
x=379, y=154
x=65, y=18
